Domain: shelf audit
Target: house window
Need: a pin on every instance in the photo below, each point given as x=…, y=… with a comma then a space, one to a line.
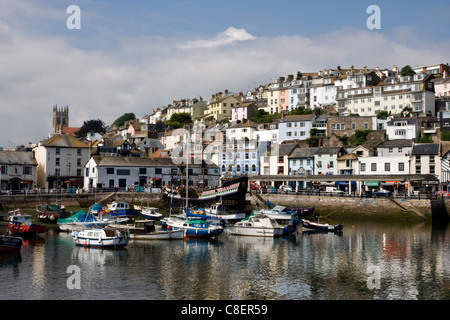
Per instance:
x=78, y=162
x=373, y=167
x=363, y=167
x=280, y=159
x=417, y=159
x=418, y=170
x=109, y=170
x=432, y=171
x=401, y=166
x=431, y=159
x=280, y=170
x=78, y=152
x=57, y=161
x=27, y=170
x=143, y=170
x=4, y=169
x=387, y=167
x=58, y=151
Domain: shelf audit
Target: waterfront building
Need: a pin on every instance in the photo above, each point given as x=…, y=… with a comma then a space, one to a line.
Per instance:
x=243, y=111
x=295, y=127
x=61, y=160
x=18, y=171
x=392, y=95
x=240, y=153
x=301, y=163
x=397, y=147
x=442, y=87
x=273, y=96
x=348, y=164
x=276, y=162
x=123, y=172
x=347, y=126
x=402, y=128
x=219, y=107
x=267, y=132
x=425, y=159
x=445, y=165
x=325, y=160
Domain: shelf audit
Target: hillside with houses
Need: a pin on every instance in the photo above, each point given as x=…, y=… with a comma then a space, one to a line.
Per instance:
x=390, y=126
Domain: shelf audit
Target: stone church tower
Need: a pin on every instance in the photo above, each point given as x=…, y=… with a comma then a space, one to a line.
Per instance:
x=60, y=119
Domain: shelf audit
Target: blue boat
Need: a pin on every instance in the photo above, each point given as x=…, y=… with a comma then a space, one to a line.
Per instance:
x=194, y=225
x=122, y=210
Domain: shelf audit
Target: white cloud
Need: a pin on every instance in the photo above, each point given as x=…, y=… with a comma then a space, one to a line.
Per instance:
x=143, y=73
x=229, y=36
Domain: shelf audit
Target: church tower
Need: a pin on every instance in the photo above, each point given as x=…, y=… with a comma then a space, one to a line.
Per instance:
x=60, y=119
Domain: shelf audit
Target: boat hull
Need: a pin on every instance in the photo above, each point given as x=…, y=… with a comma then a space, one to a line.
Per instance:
x=202, y=232
x=26, y=231
x=159, y=235
x=96, y=238
x=320, y=227
x=10, y=244
x=78, y=226
x=255, y=231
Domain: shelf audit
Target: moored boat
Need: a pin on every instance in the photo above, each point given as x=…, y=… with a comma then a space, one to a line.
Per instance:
x=102, y=238
x=79, y=221
x=256, y=225
x=10, y=244
x=222, y=212
x=194, y=225
x=151, y=213
x=322, y=227
x=50, y=213
x=20, y=224
x=121, y=209
x=147, y=230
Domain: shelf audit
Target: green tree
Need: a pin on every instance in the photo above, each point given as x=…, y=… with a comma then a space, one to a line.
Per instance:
x=97, y=126
x=262, y=116
x=178, y=120
x=383, y=114
x=426, y=138
x=407, y=71
x=124, y=118
x=445, y=136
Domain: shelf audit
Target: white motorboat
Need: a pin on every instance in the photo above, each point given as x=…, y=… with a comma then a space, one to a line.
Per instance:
x=102, y=238
x=150, y=213
x=221, y=211
x=256, y=225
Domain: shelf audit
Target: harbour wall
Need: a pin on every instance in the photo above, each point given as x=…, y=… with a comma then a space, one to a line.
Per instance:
x=84, y=200
x=356, y=207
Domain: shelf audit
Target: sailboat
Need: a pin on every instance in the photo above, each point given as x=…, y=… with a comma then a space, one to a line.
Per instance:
x=194, y=225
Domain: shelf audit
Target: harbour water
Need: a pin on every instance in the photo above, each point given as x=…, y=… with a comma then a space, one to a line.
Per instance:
x=370, y=260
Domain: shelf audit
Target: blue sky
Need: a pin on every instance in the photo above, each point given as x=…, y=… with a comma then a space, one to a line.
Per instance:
x=133, y=56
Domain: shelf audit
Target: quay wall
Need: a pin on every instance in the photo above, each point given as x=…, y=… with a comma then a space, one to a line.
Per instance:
x=80, y=200
x=355, y=207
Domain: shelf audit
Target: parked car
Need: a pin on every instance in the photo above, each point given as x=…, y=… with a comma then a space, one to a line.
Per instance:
x=333, y=190
x=285, y=188
x=382, y=193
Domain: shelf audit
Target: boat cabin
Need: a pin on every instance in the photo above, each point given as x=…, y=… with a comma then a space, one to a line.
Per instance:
x=22, y=219
x=119, y=206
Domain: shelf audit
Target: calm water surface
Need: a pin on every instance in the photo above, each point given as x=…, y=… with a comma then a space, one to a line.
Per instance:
x=368, y=261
